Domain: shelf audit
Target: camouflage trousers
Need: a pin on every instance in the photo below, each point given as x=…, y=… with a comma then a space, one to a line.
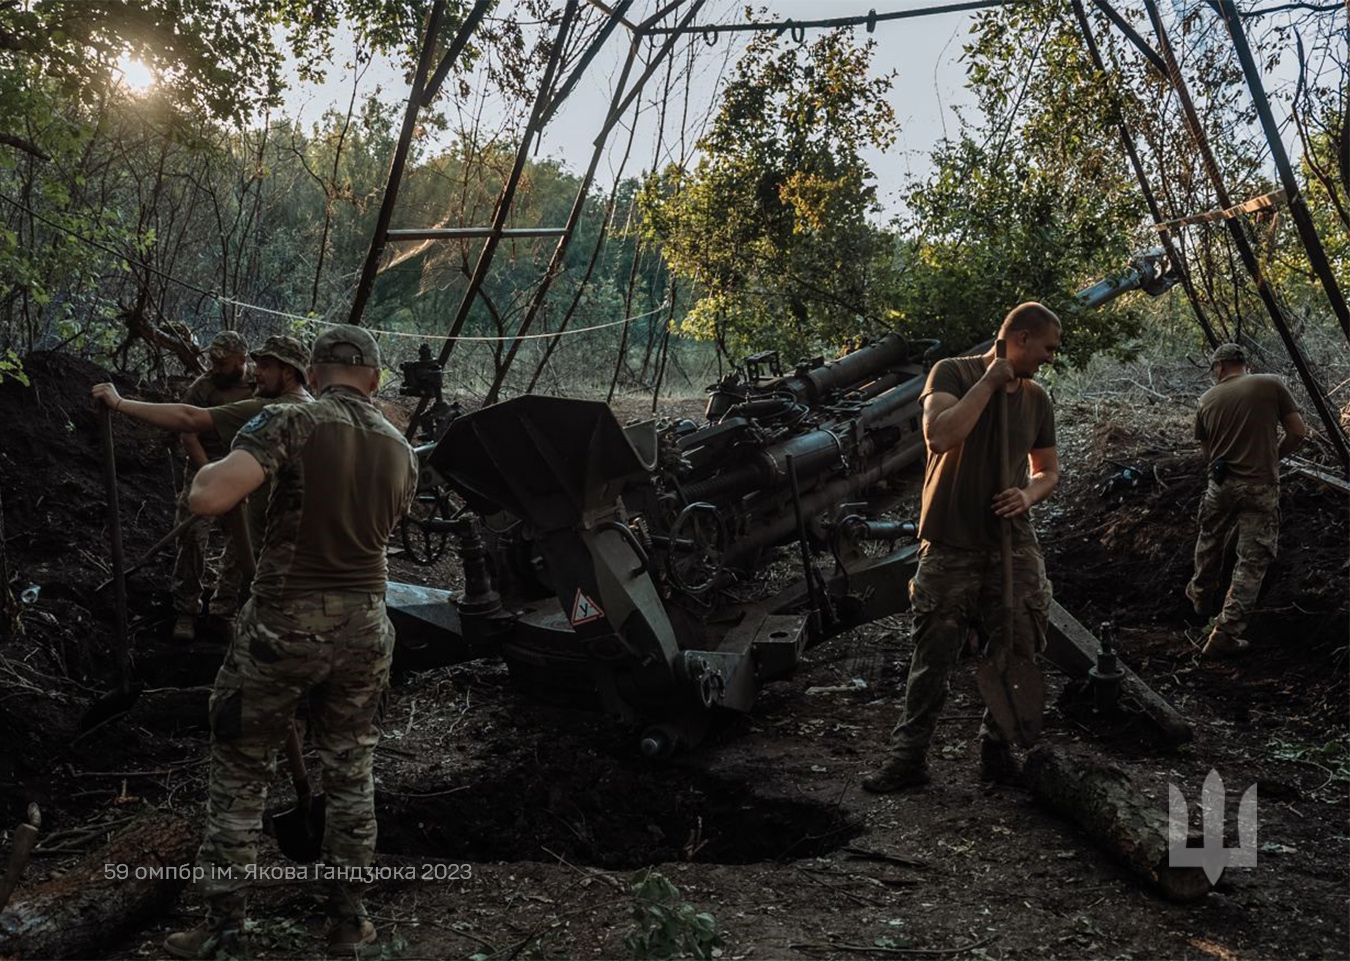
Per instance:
x=954, y=590
x=336, y=649
x=1253, y=509
x=193, y=569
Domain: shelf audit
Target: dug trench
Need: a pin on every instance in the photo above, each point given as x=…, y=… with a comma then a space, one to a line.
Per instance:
x=765, y=825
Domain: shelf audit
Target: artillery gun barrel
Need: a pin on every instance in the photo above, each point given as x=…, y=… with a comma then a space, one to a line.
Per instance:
x=814, y=452
x=851, y=370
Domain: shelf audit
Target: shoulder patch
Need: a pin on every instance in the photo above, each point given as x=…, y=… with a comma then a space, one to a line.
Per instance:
x=259, y=421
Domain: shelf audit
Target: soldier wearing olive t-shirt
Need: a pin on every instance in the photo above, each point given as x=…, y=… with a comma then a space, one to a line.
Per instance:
x=1236, y=425
x=958, y=582
x=315, y=627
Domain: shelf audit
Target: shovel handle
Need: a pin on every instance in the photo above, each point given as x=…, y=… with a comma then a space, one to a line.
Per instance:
x=118, y=561
x=299, y=776
x=1005, y=524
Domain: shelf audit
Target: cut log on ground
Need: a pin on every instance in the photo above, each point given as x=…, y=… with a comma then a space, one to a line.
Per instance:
x=1112, y=806
x=78, y=914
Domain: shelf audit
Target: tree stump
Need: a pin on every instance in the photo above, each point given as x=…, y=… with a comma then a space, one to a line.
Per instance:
x=79, y=913
x=1113, y=808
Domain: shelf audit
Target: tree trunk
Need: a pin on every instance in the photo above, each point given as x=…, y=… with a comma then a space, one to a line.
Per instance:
x=77, y=914
x=1114, y=809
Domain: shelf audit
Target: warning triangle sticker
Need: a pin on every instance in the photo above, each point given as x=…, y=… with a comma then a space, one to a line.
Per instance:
x=585, y=610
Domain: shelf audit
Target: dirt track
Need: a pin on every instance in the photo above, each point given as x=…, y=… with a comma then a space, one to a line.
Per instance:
x=764, y=826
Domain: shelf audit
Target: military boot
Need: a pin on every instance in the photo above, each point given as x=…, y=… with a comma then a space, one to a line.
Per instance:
x=895, y=776
x=207, y=940
x=997, y=764
x=1224, y=645
x=349, y=934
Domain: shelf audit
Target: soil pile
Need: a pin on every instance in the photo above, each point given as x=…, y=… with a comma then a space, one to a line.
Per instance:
x=56, y=538
x=1120, y=543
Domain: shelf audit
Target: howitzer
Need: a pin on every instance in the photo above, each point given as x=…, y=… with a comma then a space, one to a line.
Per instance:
x=617, y=563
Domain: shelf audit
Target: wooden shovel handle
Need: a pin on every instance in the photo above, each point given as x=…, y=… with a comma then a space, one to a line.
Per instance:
x=1005, y=525
x=299, y=776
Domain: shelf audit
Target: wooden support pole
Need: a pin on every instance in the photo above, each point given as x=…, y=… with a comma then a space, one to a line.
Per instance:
x=1237, y=228
x=377, y=240
x=1317, y=256
x=1127, y=140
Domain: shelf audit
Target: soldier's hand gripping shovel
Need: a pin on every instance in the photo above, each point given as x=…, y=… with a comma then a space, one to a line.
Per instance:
x=299, y=831
x=1011, y=685
x=120, y=700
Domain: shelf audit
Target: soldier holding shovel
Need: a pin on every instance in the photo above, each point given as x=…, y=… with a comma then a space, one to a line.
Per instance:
x=960, y=576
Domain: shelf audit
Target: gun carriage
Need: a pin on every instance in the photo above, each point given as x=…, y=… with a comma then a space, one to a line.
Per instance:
x=612, y=562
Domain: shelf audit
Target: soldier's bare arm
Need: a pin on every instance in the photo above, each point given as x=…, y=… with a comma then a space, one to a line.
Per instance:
x=1044, y=478
x=947, y=421
x=220, y=486
x=180, y=418
x=1295, y=433
x=196, y=453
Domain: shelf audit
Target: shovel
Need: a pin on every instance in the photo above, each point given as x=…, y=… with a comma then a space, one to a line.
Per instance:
x=120, y=700
x=20, y=852
x=155, y=548
x=299, y=831
x=1011, y=685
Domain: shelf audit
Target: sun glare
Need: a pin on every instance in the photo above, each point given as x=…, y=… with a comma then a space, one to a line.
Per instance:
x=135, y=74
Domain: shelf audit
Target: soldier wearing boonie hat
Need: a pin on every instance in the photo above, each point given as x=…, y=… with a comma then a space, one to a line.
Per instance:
x=286, y=350
x=227, y=343
x=1236, y=426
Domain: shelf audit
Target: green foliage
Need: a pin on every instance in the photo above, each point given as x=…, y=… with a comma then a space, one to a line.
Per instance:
x=11, y=365
x=665, y=927
x=772, y=224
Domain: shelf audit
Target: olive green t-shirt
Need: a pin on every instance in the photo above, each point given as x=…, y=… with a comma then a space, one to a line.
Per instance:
x=203, y=392
x=227, y=421
x=1238, y=418
x=959, y=485
x=342, y=477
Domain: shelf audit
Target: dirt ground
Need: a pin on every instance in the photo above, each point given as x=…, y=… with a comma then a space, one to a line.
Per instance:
x=524, y=823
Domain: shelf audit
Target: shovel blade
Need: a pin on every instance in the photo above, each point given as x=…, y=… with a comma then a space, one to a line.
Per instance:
x=299, y=832
x=1015, y=697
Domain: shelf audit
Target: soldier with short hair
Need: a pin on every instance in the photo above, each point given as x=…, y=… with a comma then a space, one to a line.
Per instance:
x=1236, y=425
x=279, y=370
x=959, y=579
x=315, y=627
x=228, y=380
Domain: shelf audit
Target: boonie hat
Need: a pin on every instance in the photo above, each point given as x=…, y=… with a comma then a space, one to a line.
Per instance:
x=286, y=349
x=228, y=343
x=1227, y=354
x=346, y=344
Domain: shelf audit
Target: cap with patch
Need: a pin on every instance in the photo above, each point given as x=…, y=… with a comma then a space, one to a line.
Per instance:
x=228, y=343
x=346, y=344
x=286, y=349
x=1227, y=354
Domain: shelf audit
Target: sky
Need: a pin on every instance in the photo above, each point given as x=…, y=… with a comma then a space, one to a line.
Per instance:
x=924, y=54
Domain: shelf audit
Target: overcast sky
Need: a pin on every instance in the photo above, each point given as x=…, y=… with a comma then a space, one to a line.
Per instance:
x=923, y=52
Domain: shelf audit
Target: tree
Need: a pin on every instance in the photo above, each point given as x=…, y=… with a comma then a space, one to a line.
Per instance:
x=772, y=225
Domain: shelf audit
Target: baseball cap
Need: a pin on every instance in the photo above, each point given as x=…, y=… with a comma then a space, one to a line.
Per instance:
x=346, y=344
x=228, y=343
x=1227, y=354
x=286, y=349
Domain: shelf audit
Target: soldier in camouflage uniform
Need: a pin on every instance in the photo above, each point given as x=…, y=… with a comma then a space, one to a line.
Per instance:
x=315, y=628
x=959, y=580
x=1236, y=425
x=280, y=365
x=228, y=380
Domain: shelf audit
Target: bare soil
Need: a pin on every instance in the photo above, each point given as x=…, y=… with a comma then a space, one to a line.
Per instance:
x=553, y=809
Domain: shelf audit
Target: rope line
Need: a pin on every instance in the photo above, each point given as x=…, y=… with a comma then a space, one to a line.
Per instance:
x=305, y=319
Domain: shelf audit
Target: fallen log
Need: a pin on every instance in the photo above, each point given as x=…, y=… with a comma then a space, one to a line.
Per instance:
x=109, y=894
x=1114, y=808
